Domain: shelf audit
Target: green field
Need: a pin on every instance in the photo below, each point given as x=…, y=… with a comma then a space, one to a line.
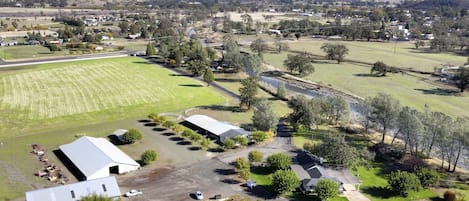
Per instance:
x=410, y=90
x=28, y=52
x=401, y=54
x=95, y=90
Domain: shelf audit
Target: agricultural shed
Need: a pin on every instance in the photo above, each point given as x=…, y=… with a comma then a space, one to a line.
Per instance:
x=97, y=158
x=214, y=128
x=106, y=186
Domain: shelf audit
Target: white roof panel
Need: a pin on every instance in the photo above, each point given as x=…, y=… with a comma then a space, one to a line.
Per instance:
x=210, y=124
x=103, y=186
x=91, y=154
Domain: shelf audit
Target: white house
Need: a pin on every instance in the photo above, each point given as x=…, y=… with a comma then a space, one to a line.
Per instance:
x=97, y=158
x=216, y=129
x=71, y=192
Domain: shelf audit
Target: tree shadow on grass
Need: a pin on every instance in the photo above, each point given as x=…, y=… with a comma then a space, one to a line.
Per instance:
x=366, y=75
x=144, y=121
x=228, y=80
x=150, y=124
x=216, y=150
x=191, y=85
x=230, y=181
x=142, y=62
x=379, y=192
x=439, y=91
x=223, y=108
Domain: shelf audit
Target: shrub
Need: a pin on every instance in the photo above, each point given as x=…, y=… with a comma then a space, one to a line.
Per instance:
x=241, y=163
x=284, y=181
x=169, y=124
x=132, y=136
x=195, y=136
x=326, y=188
x=187, y=133
x=258, y=136
x=255, y=156
x=244, y=174
x=148, y=156
x=428, y=177
x=279, y=161
x=449, y=196
x=308, y=146
x=241, y=140
x=205, y=142
x=403, y=182
x=229, y=144
x=178, y=128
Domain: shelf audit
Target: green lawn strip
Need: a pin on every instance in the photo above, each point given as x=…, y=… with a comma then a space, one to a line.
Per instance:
x=410, y=90
x=396, y=54
x=28, y=52
x=375, y=186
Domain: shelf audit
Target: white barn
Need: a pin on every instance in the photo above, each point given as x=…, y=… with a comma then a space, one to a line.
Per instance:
x=217, y=129
x=97, y=158
x=106, y=186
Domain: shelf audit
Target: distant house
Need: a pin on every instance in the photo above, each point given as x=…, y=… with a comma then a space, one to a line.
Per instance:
x=275, y=31
x=106, y=186
x=97, y=158
x=133, y=36
x=214, y=128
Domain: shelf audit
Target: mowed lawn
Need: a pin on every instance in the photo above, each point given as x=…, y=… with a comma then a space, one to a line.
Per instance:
x=401, y=54
x=28, y=52
x=410, y=90
x=94, y=90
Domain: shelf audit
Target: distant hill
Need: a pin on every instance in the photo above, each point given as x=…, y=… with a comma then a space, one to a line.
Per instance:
x=426, y=4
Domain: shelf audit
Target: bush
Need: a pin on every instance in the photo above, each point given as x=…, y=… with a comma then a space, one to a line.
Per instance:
x=244, y=174
x=132, y=136
x=428, y=177
x=284, y=181
x=403, y=182
x=169, y=124
x=229, y=144
x=187, y=133
x=326, y=188
x=241, y=163
x=195, y=137
x=241, y=140
x=148, y=156
x=258, y=136
x=205, y=142
x=308, y=146
x=255, y=156
x=279, y=161
x=449, y=196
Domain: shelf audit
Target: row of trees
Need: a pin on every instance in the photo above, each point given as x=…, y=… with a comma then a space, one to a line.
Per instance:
x=421, y=132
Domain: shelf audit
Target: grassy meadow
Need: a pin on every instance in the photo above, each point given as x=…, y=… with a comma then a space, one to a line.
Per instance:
x=400, y=54
x=28, y=52
x=410, y=90
x=62, y=94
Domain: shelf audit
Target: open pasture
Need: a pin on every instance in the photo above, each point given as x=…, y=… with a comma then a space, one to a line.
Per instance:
x=400, y=54
x=410, y=90
x=95, y=90
x=28, y=52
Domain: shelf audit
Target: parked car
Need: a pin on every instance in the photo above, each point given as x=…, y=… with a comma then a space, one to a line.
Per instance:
x=133, y=192
x=199, y=195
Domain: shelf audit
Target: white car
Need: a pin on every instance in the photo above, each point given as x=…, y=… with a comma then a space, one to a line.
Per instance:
x=132, y=193
x=199, y=195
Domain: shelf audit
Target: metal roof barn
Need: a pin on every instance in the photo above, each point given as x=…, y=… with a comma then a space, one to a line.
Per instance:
x=106, y=186
x=97, y=157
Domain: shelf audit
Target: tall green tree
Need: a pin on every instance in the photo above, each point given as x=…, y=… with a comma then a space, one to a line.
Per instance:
x=335, y=51
x=150, y=49
x=385, y=110
x=284, y=181
x=281, y=46
x=300, y=63
x=462, y=78
x=326, y=189
x=231, y=54
x=259, y=46
x=409, y=124
x=208, y=76
x=279, y=161
x=403, y=182
x=264, y=118
x=248, y=92
x=281, y=90
x=379, y=69
x=252, y=65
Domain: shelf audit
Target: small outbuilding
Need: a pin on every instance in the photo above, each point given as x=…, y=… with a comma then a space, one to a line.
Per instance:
x=215, y=129
x=106, y=186
x=97, y=158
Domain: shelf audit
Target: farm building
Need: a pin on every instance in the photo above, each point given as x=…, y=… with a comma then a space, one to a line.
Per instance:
x=106, y=186
x=215, y=129
x=97, y=158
